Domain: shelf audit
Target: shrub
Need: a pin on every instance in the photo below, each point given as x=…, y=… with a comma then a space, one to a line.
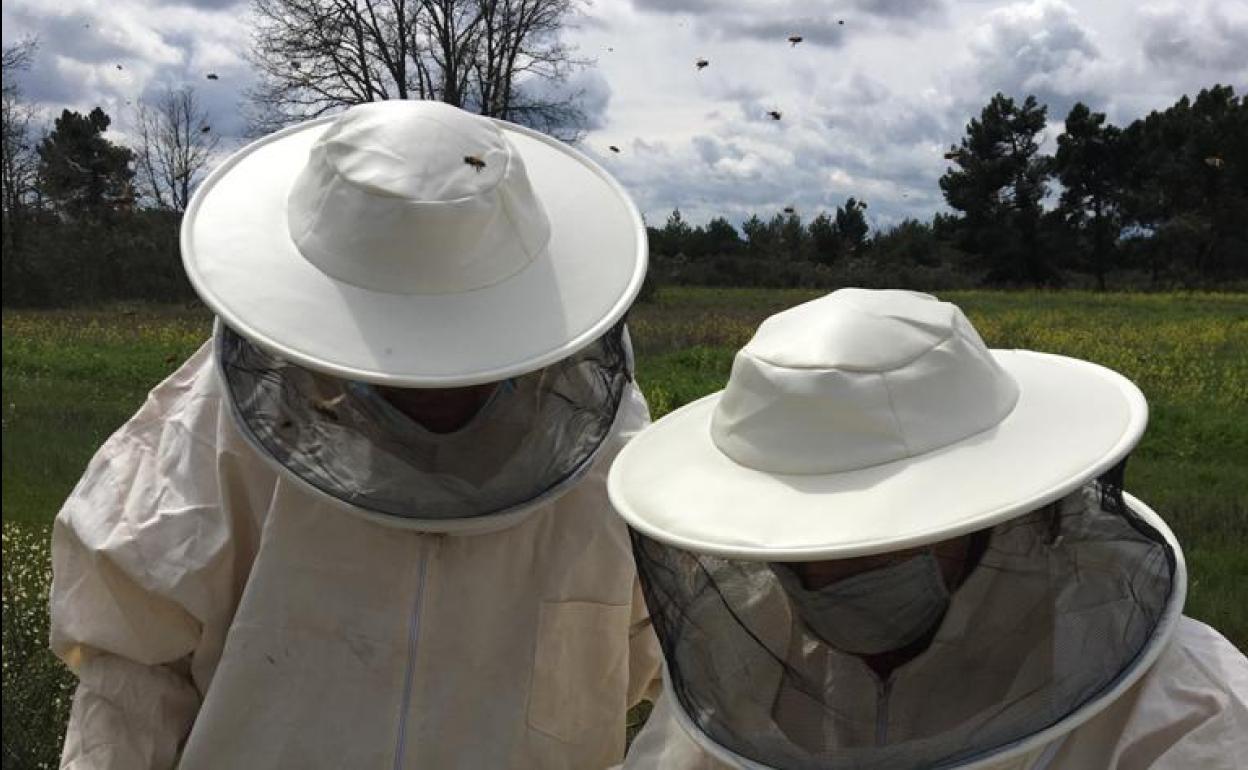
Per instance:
x=37, y=687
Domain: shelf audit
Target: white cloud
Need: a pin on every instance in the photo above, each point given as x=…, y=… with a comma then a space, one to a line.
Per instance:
x=868, y=106
x=1207, y=37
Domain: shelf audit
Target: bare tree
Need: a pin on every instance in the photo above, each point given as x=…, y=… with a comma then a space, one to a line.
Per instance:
x=520, y=54
x=502, y=58
x=19, y=163
x=176, y=143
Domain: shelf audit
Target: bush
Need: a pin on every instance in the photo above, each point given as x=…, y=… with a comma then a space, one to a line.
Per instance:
x=37, y=687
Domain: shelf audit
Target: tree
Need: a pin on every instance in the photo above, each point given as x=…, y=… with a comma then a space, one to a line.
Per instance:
x=720, y=238
x=84, y=175
x=998, y=185
x=175, y=145
x=794, y=244
x=851, y=225
x=825, y=241
x=502, y=58
x=910, y=242
x=1089, y=163
x=18, y=169
x=676, y=234
x=87, y=179
x=760, y=238
x=1187, y=186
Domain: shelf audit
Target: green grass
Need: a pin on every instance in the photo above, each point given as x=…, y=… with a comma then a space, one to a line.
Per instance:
x=71, y=377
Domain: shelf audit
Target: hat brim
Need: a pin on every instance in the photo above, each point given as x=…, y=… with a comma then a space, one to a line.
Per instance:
x=240, y=257
x=1073, y=421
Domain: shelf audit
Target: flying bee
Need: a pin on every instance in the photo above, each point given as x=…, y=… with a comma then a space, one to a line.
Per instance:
x=1213, y=161
x=774, y=114
x=701, y=64
x=325, y=407
x=795, y=39
x=613, y=148
x=213, y=76
x=475, y=162
x=789, y=209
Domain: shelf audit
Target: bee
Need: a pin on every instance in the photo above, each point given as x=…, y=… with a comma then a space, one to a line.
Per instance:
x=325, y=407
x=951, y=155
x=702, y=64
x=613, y=148
x=205, y=129
x=774, y=114
x=840, y=22
x=789, y=209
x=475, y=162
x=213, y=76
x=1213, y=161
x=795, y=39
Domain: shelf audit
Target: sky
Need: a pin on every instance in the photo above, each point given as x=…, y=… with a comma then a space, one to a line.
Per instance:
x=869, y=100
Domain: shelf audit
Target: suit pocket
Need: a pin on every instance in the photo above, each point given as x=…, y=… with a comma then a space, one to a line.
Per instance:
x=580, y=670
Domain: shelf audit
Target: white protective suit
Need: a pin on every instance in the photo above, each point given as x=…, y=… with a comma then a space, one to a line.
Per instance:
x=217, y=610
x=1188, y=711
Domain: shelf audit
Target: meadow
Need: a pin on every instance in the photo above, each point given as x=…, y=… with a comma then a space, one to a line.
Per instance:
x=70, y=377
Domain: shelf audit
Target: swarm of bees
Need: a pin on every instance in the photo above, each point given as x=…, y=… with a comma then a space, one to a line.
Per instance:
x=774, y=114
x=475, y=162
x=795, y=39
x=701, y=64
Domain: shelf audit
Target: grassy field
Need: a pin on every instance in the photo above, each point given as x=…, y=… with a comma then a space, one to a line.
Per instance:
x=71, y=377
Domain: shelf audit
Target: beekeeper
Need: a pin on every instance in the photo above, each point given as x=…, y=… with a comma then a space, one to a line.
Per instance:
x=367, y=525
x=885, y=546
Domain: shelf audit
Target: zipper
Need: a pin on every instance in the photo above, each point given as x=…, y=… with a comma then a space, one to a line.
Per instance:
x=413, y=642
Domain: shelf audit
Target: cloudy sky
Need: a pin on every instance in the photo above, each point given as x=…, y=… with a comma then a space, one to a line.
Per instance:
x=868, y=105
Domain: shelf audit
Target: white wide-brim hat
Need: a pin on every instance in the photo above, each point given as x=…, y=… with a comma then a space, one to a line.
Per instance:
x=871, y=421
x=414, y=244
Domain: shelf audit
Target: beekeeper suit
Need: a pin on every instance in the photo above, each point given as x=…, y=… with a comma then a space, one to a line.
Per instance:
x=885, y=546
x=274, y=565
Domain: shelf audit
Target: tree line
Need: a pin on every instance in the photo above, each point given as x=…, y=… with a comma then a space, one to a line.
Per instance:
x=1160, y=203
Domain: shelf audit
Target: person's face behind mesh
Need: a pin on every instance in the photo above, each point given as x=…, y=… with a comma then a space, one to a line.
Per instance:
x=441, y=410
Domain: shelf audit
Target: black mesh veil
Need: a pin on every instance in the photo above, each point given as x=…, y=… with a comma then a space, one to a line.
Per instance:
x=1060, y=602
x=537, y=433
